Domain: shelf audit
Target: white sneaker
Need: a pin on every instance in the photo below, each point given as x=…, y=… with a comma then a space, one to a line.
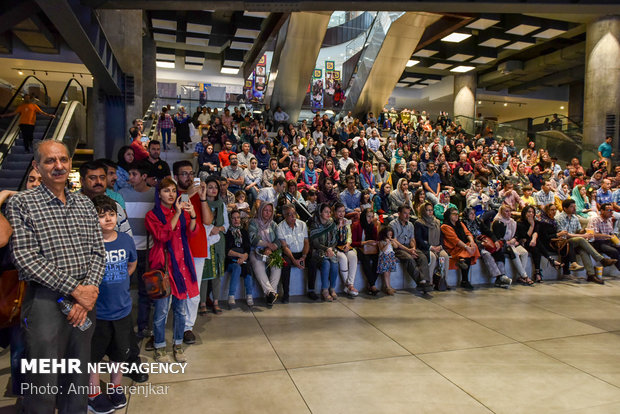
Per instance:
x=231, y=300
x=249, y=300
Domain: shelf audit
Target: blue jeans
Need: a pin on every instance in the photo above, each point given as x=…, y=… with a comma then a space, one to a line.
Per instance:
x=161, y=315
x=235, y=272
x=166, y=132
x=329, y=274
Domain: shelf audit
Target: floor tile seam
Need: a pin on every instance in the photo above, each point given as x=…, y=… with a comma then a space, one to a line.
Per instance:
x=455, y=384
x=282, y=362
x=568, y=336
x=331, y=364
x=433, y=369
x=570, y=365
x=464, y=349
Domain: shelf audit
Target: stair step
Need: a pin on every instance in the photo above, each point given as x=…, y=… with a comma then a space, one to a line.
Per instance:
x=10, y=183
x=6, y=173
x=11, y=164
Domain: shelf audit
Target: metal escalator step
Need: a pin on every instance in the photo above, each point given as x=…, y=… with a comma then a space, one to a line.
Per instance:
x=15, y=165
x=9, y=183
x=6, y=173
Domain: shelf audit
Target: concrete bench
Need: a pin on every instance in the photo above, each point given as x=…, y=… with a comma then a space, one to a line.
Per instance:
x=400, y=281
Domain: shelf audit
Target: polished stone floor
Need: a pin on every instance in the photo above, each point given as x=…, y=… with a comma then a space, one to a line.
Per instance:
x=552, y=348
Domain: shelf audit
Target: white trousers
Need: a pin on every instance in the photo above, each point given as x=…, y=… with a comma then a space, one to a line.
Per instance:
x=191, y=304
x=347, y=263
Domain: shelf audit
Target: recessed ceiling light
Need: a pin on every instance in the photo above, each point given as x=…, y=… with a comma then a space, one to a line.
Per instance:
x=440, y=66
x=456, y=37
x=522, y=29
x=482, y=24
x=482, y=60
x=240, y=45
x=460, y=57
x=425, y=53
x=402, y=85
x=20, y=72
x=505, y=104
x=229, y=71
x=418, y=86
x=518, y=45
x=411, y=63
x=410, y=79
x=479, y=102
x=167, y=65
x=561, y=107
x=549, y=33
x=431, y=81
x=462, y=69
x=493, y=42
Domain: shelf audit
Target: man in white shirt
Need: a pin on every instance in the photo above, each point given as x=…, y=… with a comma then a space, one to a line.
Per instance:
x=203, y=119
x=348, y=119
x=280, y=117
x=271, y=194
x=245, y=156
x=345, y=161
x=293, y=235
x=374, y=142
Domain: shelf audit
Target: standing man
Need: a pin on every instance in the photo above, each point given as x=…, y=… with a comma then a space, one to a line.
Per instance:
x=280, y=117
x=413, y=260
x=27, y=118
x=57, y=247
x=139, y=200
x=605, y=151
x=160, y=167
x=184, y=176
x=293, y=235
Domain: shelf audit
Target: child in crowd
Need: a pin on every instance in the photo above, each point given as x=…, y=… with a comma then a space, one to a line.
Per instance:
x=311, y=203
x=242, y=205
x=387, y=258
x=365, y=201
x=527, y=197
x=113, y=327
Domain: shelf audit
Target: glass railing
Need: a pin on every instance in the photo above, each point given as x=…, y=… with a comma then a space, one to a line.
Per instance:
x=570, y=126
x=559, y=144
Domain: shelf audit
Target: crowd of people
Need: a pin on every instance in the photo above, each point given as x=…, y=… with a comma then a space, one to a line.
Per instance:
x=321, y=196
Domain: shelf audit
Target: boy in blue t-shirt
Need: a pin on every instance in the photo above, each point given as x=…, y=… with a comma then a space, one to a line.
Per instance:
x=113, y=328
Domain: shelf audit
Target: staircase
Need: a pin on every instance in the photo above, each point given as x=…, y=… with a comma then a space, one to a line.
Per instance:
x=17, y=160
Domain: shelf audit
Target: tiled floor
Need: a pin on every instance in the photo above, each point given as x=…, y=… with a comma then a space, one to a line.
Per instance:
x=552, y=348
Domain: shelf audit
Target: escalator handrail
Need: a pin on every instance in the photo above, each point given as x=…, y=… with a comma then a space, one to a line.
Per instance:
x=60, y=101
x=19, y=89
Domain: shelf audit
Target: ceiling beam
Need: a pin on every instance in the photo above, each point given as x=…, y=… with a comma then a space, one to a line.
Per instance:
x=14, y=12
x=433, y=6
x=271, y=27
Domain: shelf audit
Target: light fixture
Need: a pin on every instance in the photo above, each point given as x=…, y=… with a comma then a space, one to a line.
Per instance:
x=505, y=103
x=20, y=72
x=462, y=69
x=411, y=63
x=229, y=71
x=561, y=107
x=167, y=65
x=456, y=37
x=479, y=102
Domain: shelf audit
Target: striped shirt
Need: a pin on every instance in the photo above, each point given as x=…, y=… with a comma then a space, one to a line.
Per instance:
x=138, y=204
x=601, y=226
x=56, y=245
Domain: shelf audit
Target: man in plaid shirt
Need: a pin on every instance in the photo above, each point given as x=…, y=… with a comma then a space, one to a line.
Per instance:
x=603, y=230
x=57, y=247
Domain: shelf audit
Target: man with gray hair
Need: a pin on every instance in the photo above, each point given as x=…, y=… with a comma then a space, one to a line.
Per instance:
x=57, y=247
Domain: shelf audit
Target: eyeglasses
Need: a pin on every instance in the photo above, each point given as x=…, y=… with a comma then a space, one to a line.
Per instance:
x=186, y=174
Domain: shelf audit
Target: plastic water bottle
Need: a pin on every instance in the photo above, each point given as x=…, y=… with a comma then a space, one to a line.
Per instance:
x=65, y=307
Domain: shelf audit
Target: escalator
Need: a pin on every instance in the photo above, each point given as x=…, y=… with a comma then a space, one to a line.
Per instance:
x=68, y=126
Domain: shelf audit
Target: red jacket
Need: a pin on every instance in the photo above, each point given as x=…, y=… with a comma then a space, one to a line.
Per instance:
x=356, y=234
x=139, y=153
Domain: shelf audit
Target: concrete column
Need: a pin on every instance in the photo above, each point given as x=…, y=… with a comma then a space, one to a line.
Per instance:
x=602, y=84
x=123, y=29
x=465, y=99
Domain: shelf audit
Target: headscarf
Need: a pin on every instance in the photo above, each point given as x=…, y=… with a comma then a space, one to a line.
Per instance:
x=263, y=159
x=368, y=176
x=398, y=195
x=255, y=173
x=236, y=233
x=385, y=203
x=179, y=281
x=560, y=193
x=121, y=157
x=432, y=224
x=472, y=225
x=511, y=225
x=544, y=218
x=580, y=203
x=458, y=227
x=318, y=228
x=264, y=226
x=310, y=177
